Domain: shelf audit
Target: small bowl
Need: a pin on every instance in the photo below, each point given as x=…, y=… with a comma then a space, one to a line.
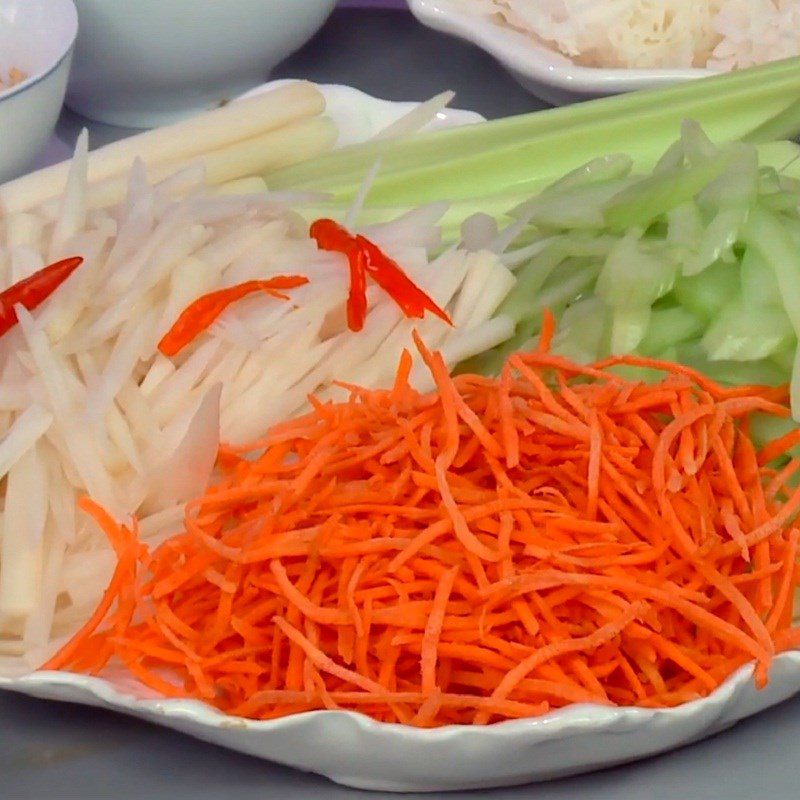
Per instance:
x=542, y=71
x=142, y=63
x=37, y=37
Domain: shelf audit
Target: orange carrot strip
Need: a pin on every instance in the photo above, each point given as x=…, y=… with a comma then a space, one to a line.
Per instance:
x=117, y=534
x=603, y=634
x=433, y=630
x=321, y=661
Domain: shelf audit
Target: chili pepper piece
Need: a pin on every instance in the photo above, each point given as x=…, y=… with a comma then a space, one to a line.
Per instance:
x=333, y=237
x=32, y=291
x=199, y=315
x=357, y=297
x=387, y=273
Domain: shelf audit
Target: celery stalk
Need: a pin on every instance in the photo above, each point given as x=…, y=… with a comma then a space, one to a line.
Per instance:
x=640, y=204
x=635, y=275
x=781, y=126
x=574, y=207
x=743, y=331
x=731, y=372
x=598, y=170
x=771, y=239
x=584, y=331
x=759, y=282
x=490, y=157
x=705, y=294
x=629, y=325
x=669, y=327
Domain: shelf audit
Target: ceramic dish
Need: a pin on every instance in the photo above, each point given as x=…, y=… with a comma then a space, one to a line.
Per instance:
x=543, y=72
x=36, y=37
x=141, y=63
x=356, y=751
x=358, y=116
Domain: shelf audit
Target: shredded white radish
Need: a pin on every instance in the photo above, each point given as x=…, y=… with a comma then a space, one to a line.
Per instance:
x=478, y=231
x=25, y=431
x=185, y=472
x=22, y=549
x=89, y=406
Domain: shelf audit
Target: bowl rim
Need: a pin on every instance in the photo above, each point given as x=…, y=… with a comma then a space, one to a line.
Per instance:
x=51, y=67
x=539, y=62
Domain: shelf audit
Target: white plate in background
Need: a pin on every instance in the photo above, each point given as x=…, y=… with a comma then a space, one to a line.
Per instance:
x=542, y=71
x=360, y=116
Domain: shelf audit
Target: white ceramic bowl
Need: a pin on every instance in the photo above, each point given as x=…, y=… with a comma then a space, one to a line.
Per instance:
x=36, y=36
x=543, y=72
x=141, y=63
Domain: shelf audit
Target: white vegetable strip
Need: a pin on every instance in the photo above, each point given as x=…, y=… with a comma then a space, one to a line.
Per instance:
x=215, y=129
x=39, y=623
x=498, y=285
x=358, y=203
x=416, y=119
x=25, y=261
x=120, y=434
x=479, y=273
x=26, y=430
x=22, y=548
x=186, y=472
x=131, y=345
x=284, y=147
x=72, y=213
x=23, y=228
x=478, y=232
x=479, y=339
x=62, y=498
x=83, y=447
x=14, y=398
x=169, y=396
x=81, y=564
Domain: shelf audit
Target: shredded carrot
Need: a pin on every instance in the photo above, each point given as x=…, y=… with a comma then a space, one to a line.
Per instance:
x=493, y=550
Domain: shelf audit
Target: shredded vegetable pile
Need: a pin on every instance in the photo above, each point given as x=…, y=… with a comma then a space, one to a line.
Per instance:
x=695, y=261
x=679, y=242
x=422, y=548
x=720, y=34
x=185, y=317
x=492, y=550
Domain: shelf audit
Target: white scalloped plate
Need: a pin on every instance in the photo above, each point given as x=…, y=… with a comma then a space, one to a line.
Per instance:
x=354, y=750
